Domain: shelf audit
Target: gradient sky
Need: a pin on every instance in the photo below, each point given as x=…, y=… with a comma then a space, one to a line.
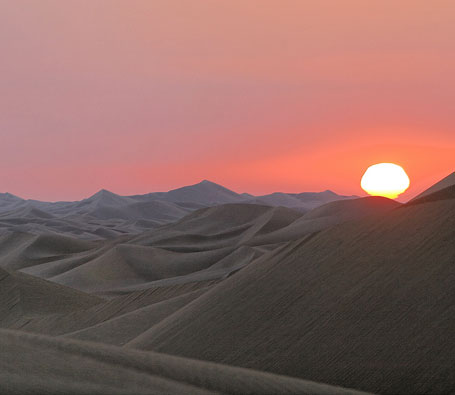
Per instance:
x=258, y=95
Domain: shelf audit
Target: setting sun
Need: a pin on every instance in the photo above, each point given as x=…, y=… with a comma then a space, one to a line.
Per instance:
x=385, y=179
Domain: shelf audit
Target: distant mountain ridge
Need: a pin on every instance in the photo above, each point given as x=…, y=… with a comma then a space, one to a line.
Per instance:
x=106, y=214
x=204, y=193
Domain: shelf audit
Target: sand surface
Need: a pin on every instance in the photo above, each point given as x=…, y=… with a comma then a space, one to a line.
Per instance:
x=232, y=296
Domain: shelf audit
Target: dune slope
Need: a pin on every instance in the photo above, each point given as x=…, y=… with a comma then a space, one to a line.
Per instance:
x=367, y=304
x=75, y=367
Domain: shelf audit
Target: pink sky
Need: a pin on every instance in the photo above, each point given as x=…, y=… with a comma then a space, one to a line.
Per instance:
x=257, y=95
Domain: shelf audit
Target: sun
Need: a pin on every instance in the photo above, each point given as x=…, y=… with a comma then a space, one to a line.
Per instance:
x=385, y=179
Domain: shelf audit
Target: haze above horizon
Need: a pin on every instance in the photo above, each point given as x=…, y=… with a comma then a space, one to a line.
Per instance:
x=134, y=96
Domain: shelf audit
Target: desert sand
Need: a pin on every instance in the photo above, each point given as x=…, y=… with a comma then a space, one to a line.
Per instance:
x=203, y=290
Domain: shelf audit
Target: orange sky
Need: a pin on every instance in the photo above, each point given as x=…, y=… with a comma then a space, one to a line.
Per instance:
x=258, y=95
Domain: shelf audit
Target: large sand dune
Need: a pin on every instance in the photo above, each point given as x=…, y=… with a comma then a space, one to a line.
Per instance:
x=361, y=305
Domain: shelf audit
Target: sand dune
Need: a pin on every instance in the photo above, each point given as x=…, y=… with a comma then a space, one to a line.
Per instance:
x=220, y=226
x=92, y=220
x=441, y=194
x=21, y=250
x=360, y=305
x=170, y=255
x=208, y=244
x=24, y=297
x=131, y=265
x=303, y=202
x=124, y=328
x=76, y=367
x=444, y=183
x=354, y=293
x=68, y=322
x=328, y=215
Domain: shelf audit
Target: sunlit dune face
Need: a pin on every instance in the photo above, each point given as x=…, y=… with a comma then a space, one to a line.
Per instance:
x=385, y=179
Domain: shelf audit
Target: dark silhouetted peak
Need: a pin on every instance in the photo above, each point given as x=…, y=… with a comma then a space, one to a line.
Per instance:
x=207, y=182
x=329, y=192
x=205, y=192
x=106, y=197
x=9, y=197
x=104, y=192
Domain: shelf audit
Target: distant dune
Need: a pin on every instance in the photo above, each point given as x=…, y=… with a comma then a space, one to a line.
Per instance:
x=106, y=215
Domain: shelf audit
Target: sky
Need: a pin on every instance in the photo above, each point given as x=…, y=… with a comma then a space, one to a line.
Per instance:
x=257, y=95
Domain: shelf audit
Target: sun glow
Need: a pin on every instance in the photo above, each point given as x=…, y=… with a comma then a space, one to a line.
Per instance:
x=385, y=179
